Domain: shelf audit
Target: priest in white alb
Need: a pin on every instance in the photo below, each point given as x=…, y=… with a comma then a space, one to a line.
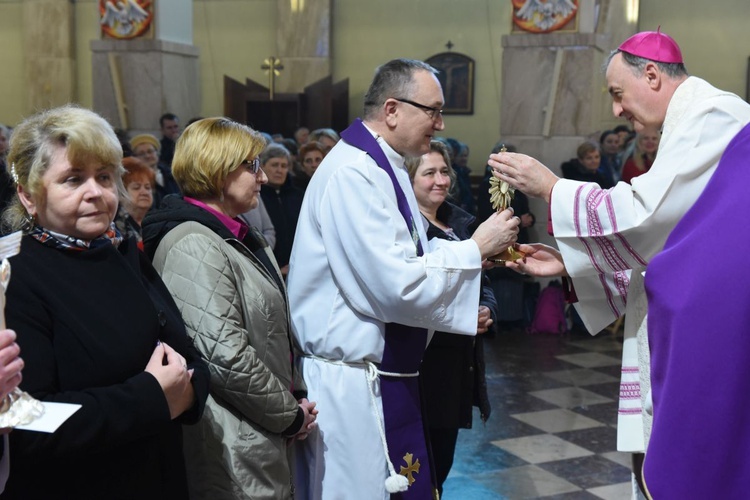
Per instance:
x=366, y=290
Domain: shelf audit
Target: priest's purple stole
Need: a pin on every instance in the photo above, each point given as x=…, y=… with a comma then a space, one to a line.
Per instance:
x=403, y=351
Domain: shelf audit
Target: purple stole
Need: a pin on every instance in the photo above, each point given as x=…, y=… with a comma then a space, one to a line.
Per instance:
x=402, y=353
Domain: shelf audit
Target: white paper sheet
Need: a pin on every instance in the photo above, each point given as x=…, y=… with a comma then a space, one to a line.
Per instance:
x=54, y=416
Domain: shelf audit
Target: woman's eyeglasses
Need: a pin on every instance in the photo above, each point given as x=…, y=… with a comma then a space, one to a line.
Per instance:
x=253, y=165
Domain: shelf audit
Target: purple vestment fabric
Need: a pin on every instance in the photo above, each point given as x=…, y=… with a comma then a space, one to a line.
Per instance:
x=402, y=353
x=699, y=335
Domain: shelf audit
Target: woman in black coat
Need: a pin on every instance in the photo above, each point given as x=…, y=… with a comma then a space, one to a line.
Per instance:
x=452, y=371
x=96, y=325
x=585, y=167
x=282, y=199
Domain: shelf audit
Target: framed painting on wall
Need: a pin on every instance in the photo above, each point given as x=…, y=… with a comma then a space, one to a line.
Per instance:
x=456, y=75
x=126, y=19
x=545, y=16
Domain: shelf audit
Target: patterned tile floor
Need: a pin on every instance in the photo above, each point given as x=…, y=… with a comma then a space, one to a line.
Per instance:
x=552, y=432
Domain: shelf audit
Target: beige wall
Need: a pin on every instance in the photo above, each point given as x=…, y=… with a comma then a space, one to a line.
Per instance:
x=366, y=34
x=87, y=29
x=12, y=94
x=714, y=37
x=235, y=36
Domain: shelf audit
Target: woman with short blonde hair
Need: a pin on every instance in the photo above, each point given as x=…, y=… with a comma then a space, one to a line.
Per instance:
x=229, y=287
x=84, y=135
x=211, y=149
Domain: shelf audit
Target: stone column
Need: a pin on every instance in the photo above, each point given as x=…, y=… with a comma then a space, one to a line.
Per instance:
x=138, y=80
x=48, y=45
x=554, y=93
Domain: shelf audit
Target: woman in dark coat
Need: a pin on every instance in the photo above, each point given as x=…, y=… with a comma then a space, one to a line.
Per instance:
x=585, y=166
x=452, y=371
x=96, y=324
x=282, y=200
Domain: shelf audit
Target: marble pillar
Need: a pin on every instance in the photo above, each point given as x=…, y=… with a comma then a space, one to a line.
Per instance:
x=554, y=92
x=303, y=41
x=136, y=81
x=49, y=54
x=153, y=77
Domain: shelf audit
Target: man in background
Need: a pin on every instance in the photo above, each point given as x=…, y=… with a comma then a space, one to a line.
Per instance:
x=170, y=131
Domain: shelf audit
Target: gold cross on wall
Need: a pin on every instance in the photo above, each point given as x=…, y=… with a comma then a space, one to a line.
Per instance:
x=273, y=66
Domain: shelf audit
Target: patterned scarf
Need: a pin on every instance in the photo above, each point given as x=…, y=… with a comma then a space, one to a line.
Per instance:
x=58, y=240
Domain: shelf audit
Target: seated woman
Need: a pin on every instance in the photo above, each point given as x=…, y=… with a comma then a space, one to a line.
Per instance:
x=452, y=371
x=644, y=154
x=585, y=167
x=139, y=181
x=233, y=300
x=282, y=200
x=96, y=325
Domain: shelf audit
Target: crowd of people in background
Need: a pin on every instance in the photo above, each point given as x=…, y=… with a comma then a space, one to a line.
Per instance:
x=619, y=155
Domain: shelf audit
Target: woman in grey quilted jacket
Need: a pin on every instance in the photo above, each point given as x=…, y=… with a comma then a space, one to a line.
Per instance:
x=232, y=297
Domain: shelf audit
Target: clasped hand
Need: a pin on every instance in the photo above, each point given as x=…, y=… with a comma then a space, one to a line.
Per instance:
x=311, y=415
x=170, y=370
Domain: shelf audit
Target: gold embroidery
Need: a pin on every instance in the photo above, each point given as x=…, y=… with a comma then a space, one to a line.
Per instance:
x=410, y=468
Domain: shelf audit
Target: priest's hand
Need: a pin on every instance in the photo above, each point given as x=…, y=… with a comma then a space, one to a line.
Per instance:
x=484, y=319
x=540, y=260
x=497, y=233
x=524, y=173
